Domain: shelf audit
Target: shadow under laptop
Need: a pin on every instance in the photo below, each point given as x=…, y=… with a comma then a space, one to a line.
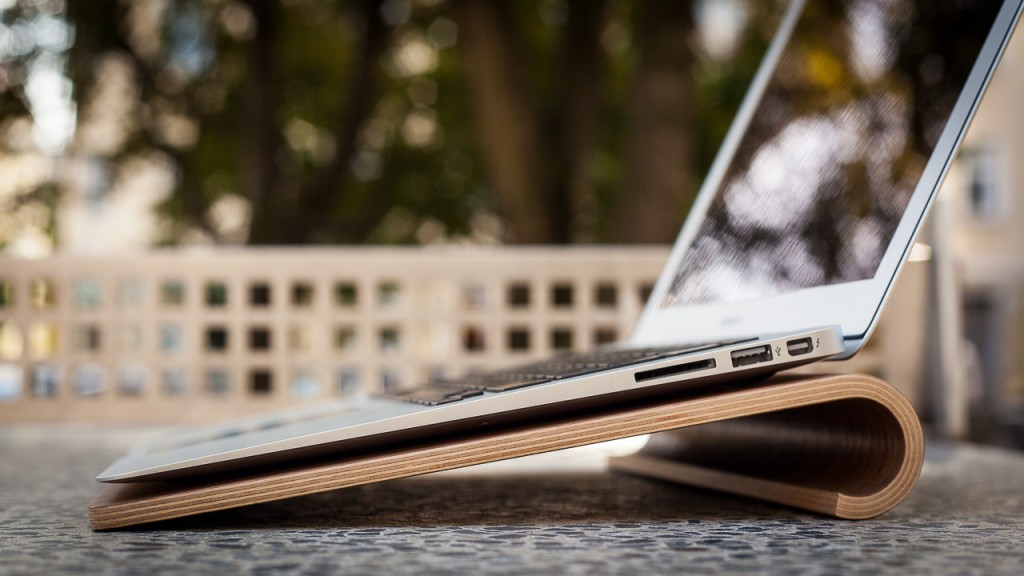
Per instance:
x=447, y=500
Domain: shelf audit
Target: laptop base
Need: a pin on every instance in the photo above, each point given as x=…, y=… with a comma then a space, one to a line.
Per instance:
x=848, y=446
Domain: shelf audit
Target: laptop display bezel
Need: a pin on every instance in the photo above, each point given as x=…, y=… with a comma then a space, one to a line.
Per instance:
x=854, y=306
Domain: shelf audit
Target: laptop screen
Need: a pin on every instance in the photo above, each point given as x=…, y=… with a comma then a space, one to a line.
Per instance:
x=834, y=149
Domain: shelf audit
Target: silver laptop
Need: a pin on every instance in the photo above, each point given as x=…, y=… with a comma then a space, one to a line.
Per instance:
x=787, y=256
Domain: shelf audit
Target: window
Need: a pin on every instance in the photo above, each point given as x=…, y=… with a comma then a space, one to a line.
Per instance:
x=6, y=294
x=88, y=380
x=45, y=380
x=606, y=295
x=518, y=295
x=474, y=297
x=218, y=382
x=259, y=339
x=518, y=339
x=261, y=382
x=473, y=339
x=130, y=339
x=12, y=344
x=304, y=384
x=171, y=338
x=562, y=295
x=216, y=339
x=259, y=295
x=42, y=339
x=434, y=340
x=87, y=338
x=389, y=340
x=172, y=293
x=42, y=293
x=389, y=294
x=86, y=294
x=986, y=314
x=644, y=292
x=347, y=381
x=561, y=339
x=302, y=295
x=129, y=293
x=390, y=380
x=345, y=338
x=300, y=339
x=11, y=382
x=173, y=382
x=436, y=374
x=216, y=294
x=605, y=336
x=346, y=295
x=982, y=169
x=131, y=380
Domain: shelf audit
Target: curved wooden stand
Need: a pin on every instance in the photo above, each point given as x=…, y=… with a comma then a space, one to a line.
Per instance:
x=855, y=452
x=849, y=446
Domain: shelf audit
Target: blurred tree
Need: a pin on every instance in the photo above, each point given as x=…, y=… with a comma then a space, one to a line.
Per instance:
x=249, y=98
x=396, y=121
x=537, y=142
x=34, y=120
x=660, y=164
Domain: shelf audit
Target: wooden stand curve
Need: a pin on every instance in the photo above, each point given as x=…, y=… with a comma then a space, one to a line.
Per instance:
x=849, y=446
x=855, y=455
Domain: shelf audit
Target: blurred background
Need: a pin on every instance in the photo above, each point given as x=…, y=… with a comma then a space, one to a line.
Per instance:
x=139, y=124
x=127, y=126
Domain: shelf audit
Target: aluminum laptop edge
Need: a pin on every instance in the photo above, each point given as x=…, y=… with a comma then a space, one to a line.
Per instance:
x=787, y=256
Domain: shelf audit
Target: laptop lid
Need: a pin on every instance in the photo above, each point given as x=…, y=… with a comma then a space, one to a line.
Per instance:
x=828, y=170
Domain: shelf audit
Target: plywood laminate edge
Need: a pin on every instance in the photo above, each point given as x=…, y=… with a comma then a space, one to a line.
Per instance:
x=116, y=507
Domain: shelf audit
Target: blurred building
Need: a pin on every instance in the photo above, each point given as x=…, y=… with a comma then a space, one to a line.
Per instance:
x=977, y=229
x=959, y=343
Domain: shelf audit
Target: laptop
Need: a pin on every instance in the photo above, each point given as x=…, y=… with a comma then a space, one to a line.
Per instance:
x=786, y=258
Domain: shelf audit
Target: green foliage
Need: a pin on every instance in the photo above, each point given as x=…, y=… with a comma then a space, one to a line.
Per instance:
x=415, y=173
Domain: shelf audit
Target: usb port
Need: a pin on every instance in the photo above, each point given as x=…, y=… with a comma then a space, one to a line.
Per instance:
x=749, y=356
x=798, y=347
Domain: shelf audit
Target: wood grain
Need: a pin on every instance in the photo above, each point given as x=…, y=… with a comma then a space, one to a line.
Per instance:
x=849, y=446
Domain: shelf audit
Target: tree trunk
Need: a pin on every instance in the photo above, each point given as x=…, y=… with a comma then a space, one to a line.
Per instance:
x=324, y=186
x=506, y=116
x=261, y=137
x=579, y=111
x=660, y=184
